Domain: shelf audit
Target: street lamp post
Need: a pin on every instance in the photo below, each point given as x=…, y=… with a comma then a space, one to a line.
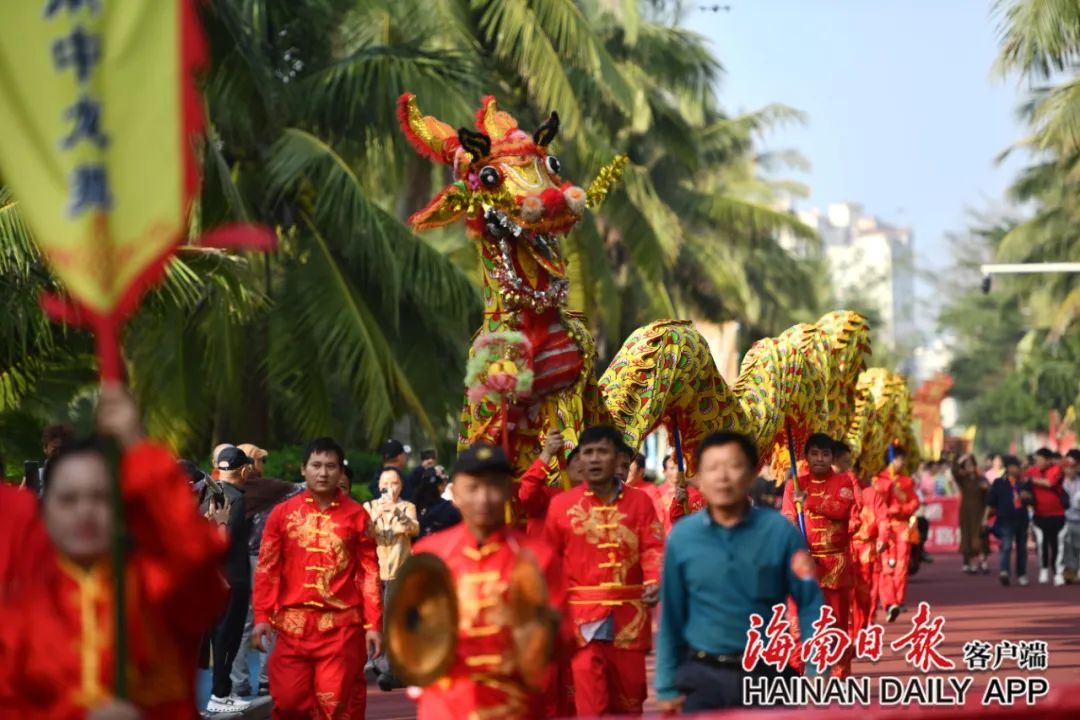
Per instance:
x=992, y=269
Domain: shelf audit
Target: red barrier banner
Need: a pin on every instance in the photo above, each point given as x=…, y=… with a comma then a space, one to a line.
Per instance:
x=943, y=513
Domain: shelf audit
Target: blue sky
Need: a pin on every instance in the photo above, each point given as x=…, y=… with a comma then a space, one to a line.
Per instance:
x=904, y=113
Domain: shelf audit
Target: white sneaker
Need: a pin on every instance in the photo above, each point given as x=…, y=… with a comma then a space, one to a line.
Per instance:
x=231, y=704
x=1059, y=580
x=1044, y=576
x=1022, y=581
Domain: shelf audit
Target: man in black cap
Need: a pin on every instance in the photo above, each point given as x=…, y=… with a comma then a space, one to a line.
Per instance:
x=222, y=502
x=481, y=554
x=393, y=456
x=415, y=479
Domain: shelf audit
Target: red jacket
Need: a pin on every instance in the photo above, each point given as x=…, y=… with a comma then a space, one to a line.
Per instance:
x=56, y=644
x=609, y=552
x=872, y=526
x=483, y=680
x=1047, y=500
x=899, y=497
x=24, y=546
x=827, y=512
x=317, y=569
x=694, y=501
x=533, y=497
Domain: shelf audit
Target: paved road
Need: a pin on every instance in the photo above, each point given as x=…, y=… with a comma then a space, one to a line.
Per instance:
x=976, y=607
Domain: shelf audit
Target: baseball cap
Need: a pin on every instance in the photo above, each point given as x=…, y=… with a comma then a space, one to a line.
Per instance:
x=391, y=449
x=232, y=458
x=482, y=458
x=253, y=451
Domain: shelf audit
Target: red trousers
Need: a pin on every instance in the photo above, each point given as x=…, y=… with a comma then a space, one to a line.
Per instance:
x=839, y=599
x=607, y=680
x=863, y=596
x=893, y=587
x=319, y=676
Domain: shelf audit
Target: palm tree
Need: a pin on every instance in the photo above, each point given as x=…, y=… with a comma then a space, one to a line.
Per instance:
x=354, y=322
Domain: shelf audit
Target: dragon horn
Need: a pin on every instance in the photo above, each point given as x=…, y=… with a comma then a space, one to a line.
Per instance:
x=431, y=137
x=547, y=132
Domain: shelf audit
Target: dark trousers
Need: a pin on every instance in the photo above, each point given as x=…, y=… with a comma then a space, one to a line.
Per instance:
x=1048, y=536
x=714, y=687
x=1009, y=535
x=226, y=639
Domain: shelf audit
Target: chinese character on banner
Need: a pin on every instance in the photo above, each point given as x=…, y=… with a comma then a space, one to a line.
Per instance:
x=921, y=643
x=869, y=642
x=1005, y=650
x=86, y=116
x=80, y=50
x=828, y=644
x=978, y=655
x=54, y=6
x=1034, y=655
x=782, y=645
x=89, y=189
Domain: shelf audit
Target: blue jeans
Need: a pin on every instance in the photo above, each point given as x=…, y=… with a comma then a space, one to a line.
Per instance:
x=241, y=669
x=1010, y=535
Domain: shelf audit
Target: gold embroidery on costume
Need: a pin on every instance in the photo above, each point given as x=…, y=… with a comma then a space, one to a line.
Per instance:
x=628, y=636
x=317, y=530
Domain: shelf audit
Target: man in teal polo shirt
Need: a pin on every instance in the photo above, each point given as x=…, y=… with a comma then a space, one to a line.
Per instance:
x=721, y=565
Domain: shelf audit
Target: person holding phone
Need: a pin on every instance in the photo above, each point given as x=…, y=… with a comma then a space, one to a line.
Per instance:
x=395, y=525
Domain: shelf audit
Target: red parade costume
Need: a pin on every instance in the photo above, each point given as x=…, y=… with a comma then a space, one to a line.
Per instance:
x=533, y=498
x=317, y=583
x=57, y=646
x=694, y=501
x=900, y=499
x=482, y=681
x=827, y=512
x=870, y=528
x=24, y=546
x=609, y=553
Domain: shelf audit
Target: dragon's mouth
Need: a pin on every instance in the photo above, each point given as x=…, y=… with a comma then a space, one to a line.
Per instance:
x=544, y=248
x=544, y=244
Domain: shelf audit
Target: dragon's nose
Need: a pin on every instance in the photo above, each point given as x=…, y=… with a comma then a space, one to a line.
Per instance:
x=552, y=202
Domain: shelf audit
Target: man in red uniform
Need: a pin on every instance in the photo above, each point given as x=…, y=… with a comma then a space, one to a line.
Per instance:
x=610, y=544
x=57, y=652
x=635, y=476
x=827, y=500
x=897, y=491
x=317, y=585
x=533, y=493
x=869, y=530
x=483, y=680
x=686, y=501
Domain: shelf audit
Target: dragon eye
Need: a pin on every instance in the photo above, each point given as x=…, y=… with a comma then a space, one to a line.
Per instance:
x=489, y=176
x=553, y=165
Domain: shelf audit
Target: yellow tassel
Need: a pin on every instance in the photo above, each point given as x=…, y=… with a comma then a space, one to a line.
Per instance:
x=608, y=176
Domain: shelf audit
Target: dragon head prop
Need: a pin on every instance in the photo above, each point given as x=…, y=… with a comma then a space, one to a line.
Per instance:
x=510, y=191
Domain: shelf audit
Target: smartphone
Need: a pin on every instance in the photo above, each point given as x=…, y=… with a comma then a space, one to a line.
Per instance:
x=32, y=476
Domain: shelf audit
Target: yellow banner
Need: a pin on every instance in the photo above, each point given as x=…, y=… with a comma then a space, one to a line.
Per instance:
x=93, y=139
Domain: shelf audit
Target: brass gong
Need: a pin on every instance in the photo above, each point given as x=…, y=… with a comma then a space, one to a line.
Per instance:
x=422, y=620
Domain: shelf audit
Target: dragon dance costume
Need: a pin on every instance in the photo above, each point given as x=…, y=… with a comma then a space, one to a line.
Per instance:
x=509, y=190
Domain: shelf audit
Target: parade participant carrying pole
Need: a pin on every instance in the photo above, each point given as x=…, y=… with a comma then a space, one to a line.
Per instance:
x=680, y=462
x=795, y=482
x=99, y=123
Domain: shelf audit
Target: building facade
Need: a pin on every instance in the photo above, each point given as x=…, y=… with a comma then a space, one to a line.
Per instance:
x=871, y=265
